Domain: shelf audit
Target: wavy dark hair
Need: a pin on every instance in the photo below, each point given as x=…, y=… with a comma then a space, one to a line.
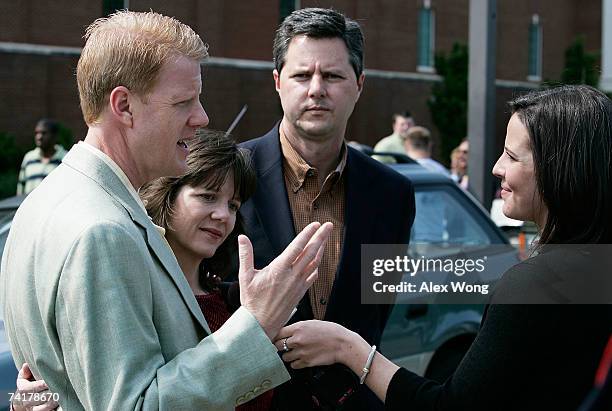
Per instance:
x=212, y=158
x=570, y=132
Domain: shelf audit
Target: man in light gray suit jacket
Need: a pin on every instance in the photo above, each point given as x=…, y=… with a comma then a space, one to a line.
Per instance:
x=93, y=298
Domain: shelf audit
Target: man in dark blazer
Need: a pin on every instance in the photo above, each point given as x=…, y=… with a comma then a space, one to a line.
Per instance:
x=379, y=210
x=318, y=55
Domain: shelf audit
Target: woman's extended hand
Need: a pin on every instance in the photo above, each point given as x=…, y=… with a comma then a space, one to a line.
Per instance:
x=312, y=343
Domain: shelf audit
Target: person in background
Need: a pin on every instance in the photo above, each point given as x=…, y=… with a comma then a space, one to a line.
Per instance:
x=550, y=316
x=430, y=228
x=394, y=143
x=459, y=164
x=38, y=163
x=418, y=146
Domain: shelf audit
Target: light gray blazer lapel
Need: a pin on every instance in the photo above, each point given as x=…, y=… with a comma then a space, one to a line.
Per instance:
x=83, y=161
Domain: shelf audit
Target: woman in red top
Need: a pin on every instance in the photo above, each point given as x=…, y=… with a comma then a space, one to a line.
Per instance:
x=199, y=213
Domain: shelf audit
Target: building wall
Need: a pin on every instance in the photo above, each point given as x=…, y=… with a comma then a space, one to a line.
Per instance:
x=227, y=90
x=234, y=29
x=36, y=85
x=56, y=22
x=246, y=29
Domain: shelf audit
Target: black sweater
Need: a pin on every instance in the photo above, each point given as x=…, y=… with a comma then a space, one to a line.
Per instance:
x=525, y=356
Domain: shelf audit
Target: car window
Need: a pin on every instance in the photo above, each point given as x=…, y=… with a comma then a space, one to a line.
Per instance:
x=5, y=225
x=445, y=219
x=6, y=216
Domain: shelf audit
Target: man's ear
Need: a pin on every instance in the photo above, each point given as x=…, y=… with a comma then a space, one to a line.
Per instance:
x=119, y=101
x=360, y=82
x=276, y=76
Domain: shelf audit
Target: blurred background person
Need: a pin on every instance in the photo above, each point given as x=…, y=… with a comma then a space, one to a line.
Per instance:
x=394, y=143
x=459, y=163
x=418, y=146
x=38, y=163
x=431, y=228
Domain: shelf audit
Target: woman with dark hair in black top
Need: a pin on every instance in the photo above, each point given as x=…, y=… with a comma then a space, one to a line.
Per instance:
x=534, y=351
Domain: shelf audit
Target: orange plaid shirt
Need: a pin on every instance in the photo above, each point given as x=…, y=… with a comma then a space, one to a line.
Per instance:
x=309, y=202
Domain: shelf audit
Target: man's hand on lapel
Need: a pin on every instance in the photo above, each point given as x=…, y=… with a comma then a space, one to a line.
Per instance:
x=270, y=294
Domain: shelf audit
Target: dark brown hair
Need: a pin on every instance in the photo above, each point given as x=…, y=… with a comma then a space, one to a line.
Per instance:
x=318, y=23
x=212, y=158
x=570, y=133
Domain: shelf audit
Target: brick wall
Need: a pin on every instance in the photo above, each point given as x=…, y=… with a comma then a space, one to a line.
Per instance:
x=35, y=86
x=57, y=22
x=32, y=86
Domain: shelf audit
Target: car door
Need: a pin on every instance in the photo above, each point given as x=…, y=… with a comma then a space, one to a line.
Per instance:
x=449, y=224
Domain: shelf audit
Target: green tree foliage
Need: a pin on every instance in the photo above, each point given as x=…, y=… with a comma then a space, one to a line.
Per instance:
x=65, y=137
x=10, y=153
x=580, y=66
x=10, y=161
x=449, y=99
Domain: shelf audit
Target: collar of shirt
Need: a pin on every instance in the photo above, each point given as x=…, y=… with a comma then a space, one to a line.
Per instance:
x=123, y=178
x=300, y=169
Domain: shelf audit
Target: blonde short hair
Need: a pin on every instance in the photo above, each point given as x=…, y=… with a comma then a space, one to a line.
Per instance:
x=128, y=49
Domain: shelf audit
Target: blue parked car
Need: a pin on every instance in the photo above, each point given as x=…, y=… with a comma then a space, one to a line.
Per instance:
x=8, y=372
x=431, y=339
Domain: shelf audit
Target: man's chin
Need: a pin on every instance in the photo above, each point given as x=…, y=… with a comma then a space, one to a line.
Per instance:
x=315, y=130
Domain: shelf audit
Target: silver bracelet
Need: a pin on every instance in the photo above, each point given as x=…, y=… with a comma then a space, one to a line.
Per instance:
x=368, y=364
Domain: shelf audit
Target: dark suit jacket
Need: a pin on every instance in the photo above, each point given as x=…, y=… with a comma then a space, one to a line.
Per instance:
x=379, y=210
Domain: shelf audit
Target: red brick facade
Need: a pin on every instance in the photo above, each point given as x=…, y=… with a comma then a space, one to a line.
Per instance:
x=33, y=85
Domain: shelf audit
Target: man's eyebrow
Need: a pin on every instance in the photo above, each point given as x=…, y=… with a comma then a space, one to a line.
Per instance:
x=302, y=67
x=334, y=70
x=183, y=96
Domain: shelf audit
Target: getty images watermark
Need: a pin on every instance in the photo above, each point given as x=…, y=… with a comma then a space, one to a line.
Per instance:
x=468, y=274
x=397, y=273
x=412, y=266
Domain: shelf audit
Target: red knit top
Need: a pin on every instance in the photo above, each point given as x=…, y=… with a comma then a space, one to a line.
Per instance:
x=216, y=313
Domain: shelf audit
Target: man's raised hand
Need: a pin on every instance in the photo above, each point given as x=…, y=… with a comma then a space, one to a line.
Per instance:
x=270, y=294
